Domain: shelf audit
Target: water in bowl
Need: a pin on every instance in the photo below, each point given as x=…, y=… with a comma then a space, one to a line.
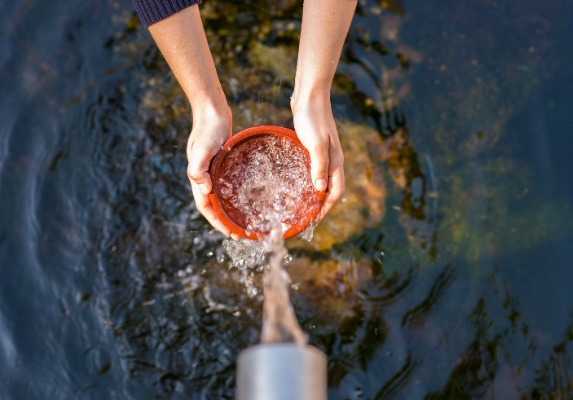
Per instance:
x=267, y=176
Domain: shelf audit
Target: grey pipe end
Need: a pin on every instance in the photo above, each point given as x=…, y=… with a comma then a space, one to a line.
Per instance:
x=282, y=371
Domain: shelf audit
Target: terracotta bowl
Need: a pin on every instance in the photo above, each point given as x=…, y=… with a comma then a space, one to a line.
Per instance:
x=228, y=165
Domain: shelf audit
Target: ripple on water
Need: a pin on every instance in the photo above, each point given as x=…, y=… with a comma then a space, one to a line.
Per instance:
x=8, y=353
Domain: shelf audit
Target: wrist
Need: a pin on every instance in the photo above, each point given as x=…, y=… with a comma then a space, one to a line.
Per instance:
x=210, y=107
x=310, y=97
x=207, y=97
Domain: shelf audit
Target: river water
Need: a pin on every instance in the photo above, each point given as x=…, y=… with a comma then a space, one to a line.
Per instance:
x=443, y=273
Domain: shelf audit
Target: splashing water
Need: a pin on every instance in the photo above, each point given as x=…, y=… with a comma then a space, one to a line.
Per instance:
x=269, y=253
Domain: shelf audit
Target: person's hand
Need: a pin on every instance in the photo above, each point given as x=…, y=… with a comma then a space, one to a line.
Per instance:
x=182, y=41
x=210, y=131
x=325, y=24
x=316, y=129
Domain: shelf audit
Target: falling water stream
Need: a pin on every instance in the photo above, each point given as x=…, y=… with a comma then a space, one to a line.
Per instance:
x=279, y=321
x=264, y=183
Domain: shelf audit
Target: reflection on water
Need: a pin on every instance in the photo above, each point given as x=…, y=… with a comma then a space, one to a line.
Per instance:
x=444, y=273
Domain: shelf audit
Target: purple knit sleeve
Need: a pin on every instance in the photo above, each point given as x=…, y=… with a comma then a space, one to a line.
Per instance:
x=152, y=11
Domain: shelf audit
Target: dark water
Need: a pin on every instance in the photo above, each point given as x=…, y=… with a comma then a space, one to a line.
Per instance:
x=446, y=273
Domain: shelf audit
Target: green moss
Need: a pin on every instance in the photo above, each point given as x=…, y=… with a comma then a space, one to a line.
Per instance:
x=278, y=60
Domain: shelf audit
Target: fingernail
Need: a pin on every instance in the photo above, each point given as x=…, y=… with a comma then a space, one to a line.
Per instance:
x=203, y=188
x=320, y=184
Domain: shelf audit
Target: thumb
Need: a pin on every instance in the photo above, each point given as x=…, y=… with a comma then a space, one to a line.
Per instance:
x=319, y=167
x=203, y=181
x=198, y=167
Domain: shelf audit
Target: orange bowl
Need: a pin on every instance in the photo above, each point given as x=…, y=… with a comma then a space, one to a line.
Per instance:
x=262, y=170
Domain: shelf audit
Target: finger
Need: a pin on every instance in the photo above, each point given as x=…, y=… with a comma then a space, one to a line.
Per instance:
x=336, y=188
x=197, y=170
x=202, y=179
x=319, y=165
x=205, y=207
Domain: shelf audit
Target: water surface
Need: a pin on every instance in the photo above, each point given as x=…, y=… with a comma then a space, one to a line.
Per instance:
x=444, y=273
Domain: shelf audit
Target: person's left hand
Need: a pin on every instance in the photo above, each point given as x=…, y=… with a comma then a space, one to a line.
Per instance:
x=316, y=129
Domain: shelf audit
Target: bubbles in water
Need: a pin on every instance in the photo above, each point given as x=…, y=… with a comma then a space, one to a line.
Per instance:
x=245, y=253
x=308, y=233
x=265, y=176
x=220, y=255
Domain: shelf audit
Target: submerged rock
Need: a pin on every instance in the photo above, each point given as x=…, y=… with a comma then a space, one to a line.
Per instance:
x=363, y=202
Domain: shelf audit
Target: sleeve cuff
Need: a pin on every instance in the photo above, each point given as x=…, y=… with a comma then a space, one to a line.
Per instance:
x=152, y=11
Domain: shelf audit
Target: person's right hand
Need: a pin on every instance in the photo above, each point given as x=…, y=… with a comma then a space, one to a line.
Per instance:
x=182, y=41
x=211, y=129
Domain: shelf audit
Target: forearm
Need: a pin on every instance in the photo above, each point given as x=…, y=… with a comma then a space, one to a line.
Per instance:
x=182, y=41
x=325, y=24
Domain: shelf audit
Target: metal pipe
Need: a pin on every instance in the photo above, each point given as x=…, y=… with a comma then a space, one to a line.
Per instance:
x=281, y=371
